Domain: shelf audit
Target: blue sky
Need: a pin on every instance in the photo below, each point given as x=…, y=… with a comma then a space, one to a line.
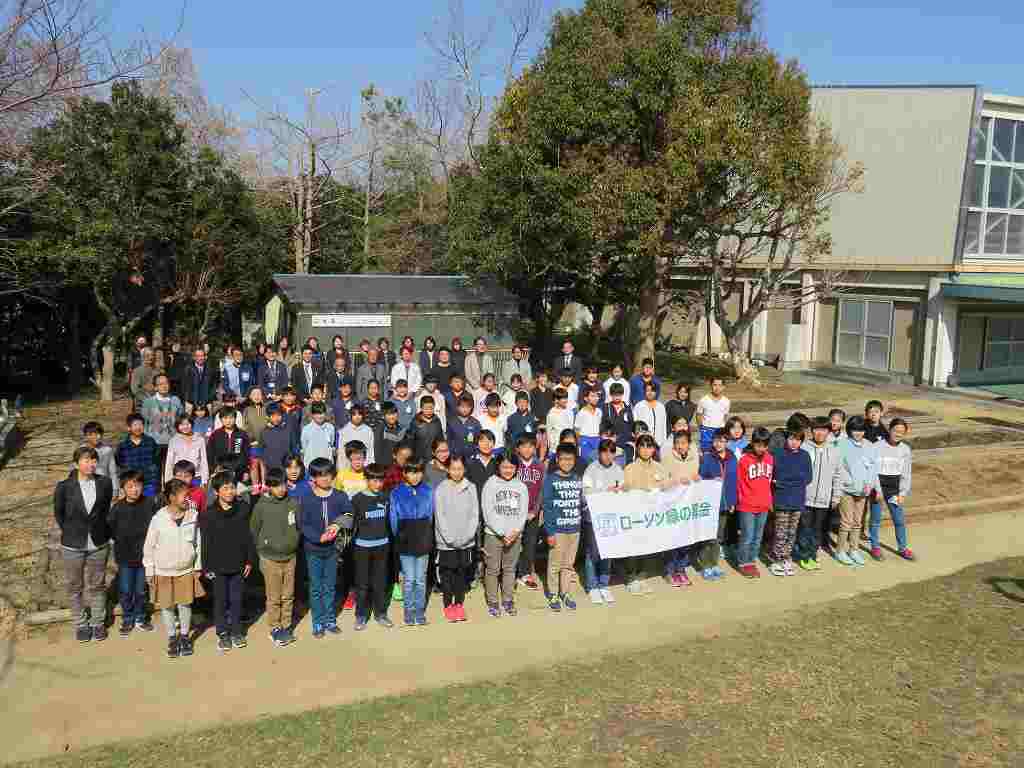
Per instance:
x=274, y=50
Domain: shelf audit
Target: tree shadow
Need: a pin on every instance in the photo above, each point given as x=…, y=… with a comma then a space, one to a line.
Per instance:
x=1011, y=589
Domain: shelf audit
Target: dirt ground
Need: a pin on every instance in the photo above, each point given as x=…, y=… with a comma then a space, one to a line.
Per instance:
x=71, y=697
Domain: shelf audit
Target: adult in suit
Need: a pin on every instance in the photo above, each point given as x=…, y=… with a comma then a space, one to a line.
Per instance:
x=372, y=370
x=568, y=359
x=238, y=376
x=272, y=375
x=306, y=374
x=81, y=507
x=199, y=382
x=335, y=375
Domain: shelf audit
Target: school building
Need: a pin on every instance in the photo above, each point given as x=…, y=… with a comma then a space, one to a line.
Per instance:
x=389, y=306
x=929, y=258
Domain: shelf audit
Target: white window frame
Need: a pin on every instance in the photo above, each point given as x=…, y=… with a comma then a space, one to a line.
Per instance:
x=864, y=334
x=985, y=163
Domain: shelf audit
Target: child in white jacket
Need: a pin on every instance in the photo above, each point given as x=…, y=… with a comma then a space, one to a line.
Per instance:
x=172, y=559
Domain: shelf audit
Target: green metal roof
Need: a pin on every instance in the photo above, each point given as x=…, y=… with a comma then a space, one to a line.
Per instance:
x=1004, y=288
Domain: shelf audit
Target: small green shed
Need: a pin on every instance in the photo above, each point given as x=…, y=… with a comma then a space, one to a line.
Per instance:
x=391, y=306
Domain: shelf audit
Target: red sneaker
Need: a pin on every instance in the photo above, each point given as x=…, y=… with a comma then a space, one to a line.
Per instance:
x=684, y=580
x=460, y=612
x=876, y=553
x=350, y=602
x=531, y=582
x=677, y=580
x=906, y=554
x=451, y=613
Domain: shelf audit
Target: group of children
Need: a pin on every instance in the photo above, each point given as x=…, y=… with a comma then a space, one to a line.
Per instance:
x=397, y=500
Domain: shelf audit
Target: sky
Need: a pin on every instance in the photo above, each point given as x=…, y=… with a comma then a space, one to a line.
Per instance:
x=270, y=52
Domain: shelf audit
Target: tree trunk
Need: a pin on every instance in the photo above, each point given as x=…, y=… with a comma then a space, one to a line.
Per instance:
x=646, y=324
x=745, y=372
x=107, y=377
x=74, y=347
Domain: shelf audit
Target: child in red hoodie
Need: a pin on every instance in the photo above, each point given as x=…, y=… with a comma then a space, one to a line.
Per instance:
x=754, y=500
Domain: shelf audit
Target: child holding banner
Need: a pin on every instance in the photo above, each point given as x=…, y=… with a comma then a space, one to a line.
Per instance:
x=753, y=500
x=644, y=474
x=682, y=467
x=718, y=463
x=602, y=476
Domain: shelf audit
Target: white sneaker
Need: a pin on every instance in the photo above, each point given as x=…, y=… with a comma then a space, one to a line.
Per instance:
x=606, y=593
x=634, y=588
x=790, y=568
x=596, y=597
x=645, y=588
x=777, y=569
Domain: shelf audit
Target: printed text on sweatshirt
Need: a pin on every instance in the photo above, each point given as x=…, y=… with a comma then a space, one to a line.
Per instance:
x=563, y=503
x=754, y=483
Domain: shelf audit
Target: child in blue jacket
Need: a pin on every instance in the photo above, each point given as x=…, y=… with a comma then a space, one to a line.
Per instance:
x=793, y=473
x=858, y=479
x=718, y=463
x=323, y=512
x=411, y=514
x=563, y=511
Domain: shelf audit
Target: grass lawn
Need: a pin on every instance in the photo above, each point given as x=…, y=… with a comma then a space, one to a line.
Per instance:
x=927, y=674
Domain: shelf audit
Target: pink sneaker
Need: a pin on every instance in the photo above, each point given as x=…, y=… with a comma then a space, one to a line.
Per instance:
x=906, y=554
x=677, y=580
x=451, y=613
x=684, y=580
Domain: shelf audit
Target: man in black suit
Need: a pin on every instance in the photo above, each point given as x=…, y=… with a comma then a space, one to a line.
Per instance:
x=272, y=375
x=306, y=374
x=81, y=507
x=570, y=360
x=199, y=382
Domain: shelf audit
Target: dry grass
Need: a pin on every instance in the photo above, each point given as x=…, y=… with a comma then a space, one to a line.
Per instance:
x=926, y=674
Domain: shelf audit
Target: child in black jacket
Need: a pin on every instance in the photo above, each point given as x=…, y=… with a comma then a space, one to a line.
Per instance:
x=129, y=523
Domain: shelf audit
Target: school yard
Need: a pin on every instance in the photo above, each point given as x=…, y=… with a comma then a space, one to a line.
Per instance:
x=896, y=664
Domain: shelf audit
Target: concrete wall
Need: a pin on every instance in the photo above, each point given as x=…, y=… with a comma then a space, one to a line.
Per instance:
x=904, y=337
x=826, y=331
x=913, y=143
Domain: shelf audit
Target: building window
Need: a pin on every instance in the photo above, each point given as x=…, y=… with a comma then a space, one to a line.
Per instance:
x=995, y=221
x=1004, y=344
x=865, y=334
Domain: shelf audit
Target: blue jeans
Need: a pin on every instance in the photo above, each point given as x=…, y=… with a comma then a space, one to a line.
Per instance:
x=414, y=586
x=323, y=578
x=751, y=533
x=676, y=561
x=131, y=583
x=898, y=520
x=596, y=572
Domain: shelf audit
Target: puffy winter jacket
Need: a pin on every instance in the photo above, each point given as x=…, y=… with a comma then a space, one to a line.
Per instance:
x=411, y=515
x=825, y=486
x=858, y=467
x=172, y=548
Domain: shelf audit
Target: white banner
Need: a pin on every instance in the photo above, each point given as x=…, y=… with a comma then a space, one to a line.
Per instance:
x=637, y=523
x=351, y=321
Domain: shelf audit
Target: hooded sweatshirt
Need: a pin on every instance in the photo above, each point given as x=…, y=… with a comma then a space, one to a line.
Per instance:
x=714, y=467
x=532, y=475
x=456, y=515
x=894, y=468
x=275, y=528
x=754, y=483
x=411, y=515
x=564, y=504
x=505, y=505
x=278, y=444
x=823, y=489
x=793, y=473
x=858, y=467
x=172, y=547
x=106, y=465
x=227, y=541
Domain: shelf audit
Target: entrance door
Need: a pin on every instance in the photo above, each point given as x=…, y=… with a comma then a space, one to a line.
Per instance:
x=865, y=334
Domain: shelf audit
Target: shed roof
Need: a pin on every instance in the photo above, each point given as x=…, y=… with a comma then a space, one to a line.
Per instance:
x=325, y=290
x=987, y=287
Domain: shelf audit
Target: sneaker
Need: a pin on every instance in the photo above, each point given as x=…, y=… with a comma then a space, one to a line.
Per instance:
x=223, y=644
x=607, y=596
x=461, y=612
x=634, y=588
x=385, y=622
x=676, y=580
x=360, y=625
x=396, y=593
x=684, y=579
x=509, y=608
x=350, y=602
x=409, y=620
x=790, y=568
x=554, y=604
x=531, y=582
x=857, y=557
x=449, y=613
x=421, y=621
x=277, y=637
x=645, y=588
x=99, y=634
x=719, y=573
x=126, y=629
x=807, y=565
x=750, y=570
x=708, y=574
x=145, y=625
x=333, y=629
x=494, y=611
x=185, y=647
x=173, y=647
x=318, y=631
x=876, y=554
x=777, y=569
x=843, y=557
x=291, y=635
x=907, y=554
x=596, y=597
x=568, y=602
x=238, y=641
